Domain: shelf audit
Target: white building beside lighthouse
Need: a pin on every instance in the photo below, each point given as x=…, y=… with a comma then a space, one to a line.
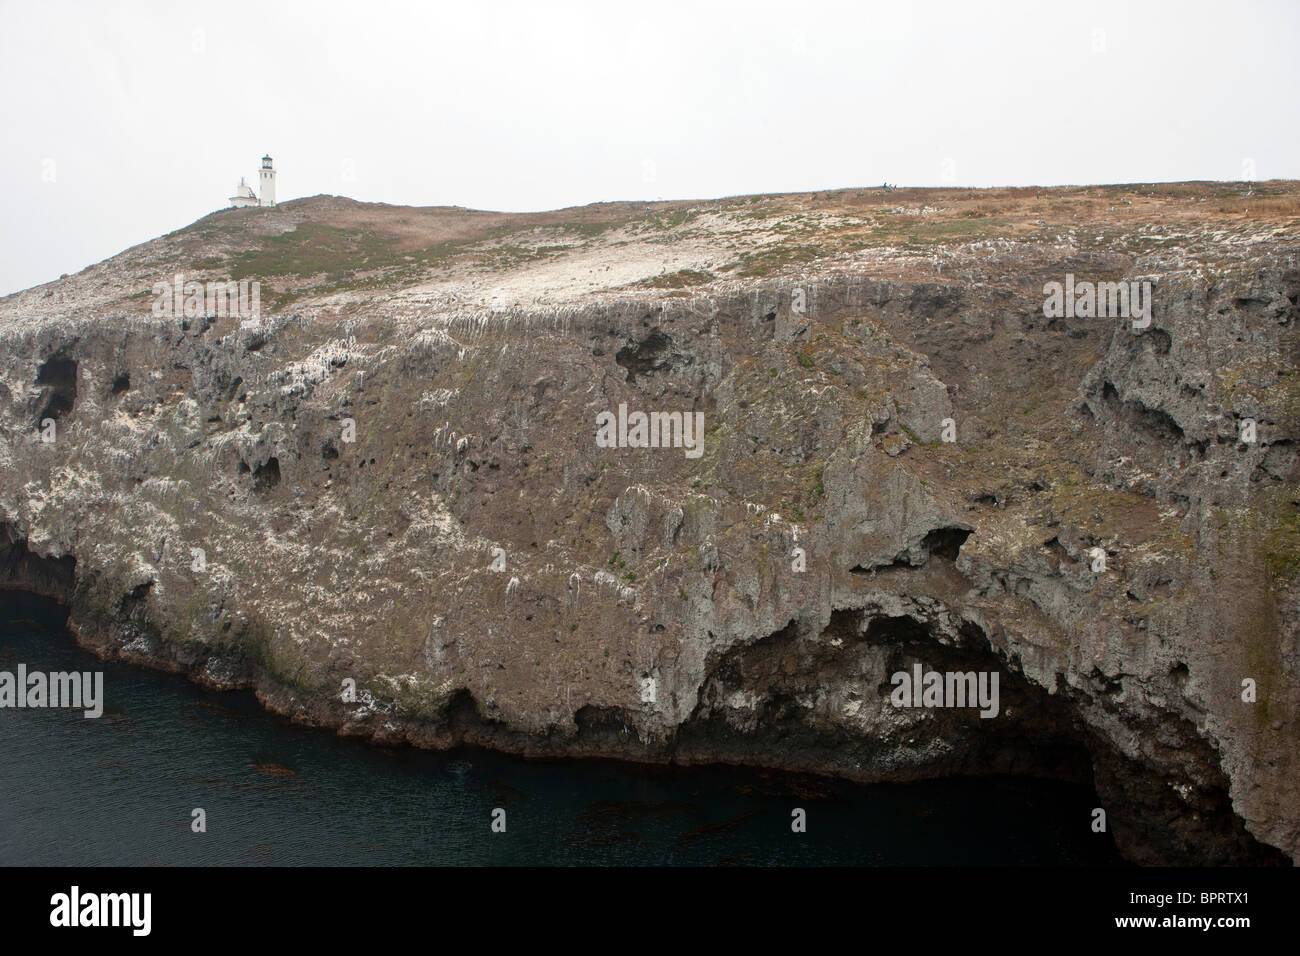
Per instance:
x=244, y=195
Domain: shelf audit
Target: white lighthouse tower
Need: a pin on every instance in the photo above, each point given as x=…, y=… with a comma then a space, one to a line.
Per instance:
x=267, y=192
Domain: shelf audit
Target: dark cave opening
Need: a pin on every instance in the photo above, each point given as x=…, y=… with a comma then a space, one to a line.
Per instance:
x=59, y=374
x=800, y=681
x=853, y=659
x=266, y=476
x=22, y=569
x=649, y=355
x=945, y=542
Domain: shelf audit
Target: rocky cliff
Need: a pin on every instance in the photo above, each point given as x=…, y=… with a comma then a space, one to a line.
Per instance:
x=394, y=480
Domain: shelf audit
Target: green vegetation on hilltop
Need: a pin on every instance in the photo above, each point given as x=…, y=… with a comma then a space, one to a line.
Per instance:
x=314, y=249
x=677, y=280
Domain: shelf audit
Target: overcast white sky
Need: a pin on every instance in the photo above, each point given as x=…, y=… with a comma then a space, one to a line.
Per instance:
x=145, y=115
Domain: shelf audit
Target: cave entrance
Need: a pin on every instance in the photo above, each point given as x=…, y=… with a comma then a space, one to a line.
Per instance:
x=59, y=376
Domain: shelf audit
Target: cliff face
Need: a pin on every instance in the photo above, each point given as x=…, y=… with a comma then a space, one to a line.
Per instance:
x=426, y=386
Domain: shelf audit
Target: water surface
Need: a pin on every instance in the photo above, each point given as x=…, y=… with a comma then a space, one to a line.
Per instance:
x=120, y=790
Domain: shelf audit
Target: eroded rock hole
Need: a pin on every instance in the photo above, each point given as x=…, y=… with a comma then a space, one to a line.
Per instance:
x=59, y=375
x=652, y=353
x=941, y=542
x=135, y=598
x=20, y=567
x=799, y=699
x=899, y=631
x=1180, y=673
x=1152, y=422
x=267, y=476
x=945, y=542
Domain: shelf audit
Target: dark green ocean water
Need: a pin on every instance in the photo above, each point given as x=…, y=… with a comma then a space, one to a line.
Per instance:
x=120, y=790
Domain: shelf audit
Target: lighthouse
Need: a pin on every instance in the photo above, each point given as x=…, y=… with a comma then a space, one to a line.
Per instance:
x=267, y=191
